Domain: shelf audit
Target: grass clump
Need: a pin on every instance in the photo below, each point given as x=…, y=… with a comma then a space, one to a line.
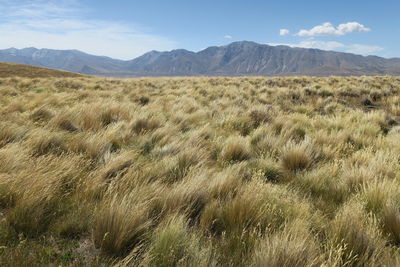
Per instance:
x=171, y=243
x=381, y=198
x=359, y=235
x=10, y=133
x=180, y=166
x=40, y=193
x=141, y=126
x=118, y=227
x=41, y=114
x=64, y=123
x=290, y=247
x=43, y=143
x=297, y=157
x=236, y=149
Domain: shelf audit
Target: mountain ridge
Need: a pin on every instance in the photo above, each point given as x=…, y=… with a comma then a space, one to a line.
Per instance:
x=235, y=59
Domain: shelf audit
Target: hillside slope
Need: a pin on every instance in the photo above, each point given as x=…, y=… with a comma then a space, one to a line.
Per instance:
x=69, y=60
x=21, y=70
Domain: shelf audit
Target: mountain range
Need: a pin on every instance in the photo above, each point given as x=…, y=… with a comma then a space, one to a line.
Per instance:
x=235, y=59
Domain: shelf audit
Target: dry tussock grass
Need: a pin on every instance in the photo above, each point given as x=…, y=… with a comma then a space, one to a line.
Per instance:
x=200, y=171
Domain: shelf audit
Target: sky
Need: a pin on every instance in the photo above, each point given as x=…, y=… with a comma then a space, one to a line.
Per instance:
x=125, y=29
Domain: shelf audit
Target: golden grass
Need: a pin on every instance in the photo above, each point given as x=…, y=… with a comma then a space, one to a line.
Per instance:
x=200, y=171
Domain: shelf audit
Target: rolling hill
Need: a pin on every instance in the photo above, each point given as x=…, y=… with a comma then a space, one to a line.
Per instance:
x=22, y=70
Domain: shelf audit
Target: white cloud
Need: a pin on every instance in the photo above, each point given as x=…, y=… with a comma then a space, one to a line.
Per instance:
x=228, y=36
x=328, y=29
x=336, y=46
x=62, y=25
x=283, y=32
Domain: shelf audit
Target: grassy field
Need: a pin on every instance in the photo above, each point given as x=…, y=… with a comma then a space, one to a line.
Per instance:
x=200, y=171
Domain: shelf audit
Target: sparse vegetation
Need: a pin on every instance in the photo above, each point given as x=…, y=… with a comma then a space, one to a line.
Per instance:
x=246, y=171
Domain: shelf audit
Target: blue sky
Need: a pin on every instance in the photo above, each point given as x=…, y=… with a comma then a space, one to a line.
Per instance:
x=126, y=29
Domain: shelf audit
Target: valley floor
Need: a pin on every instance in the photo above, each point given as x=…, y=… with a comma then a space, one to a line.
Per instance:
x=200, y=171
